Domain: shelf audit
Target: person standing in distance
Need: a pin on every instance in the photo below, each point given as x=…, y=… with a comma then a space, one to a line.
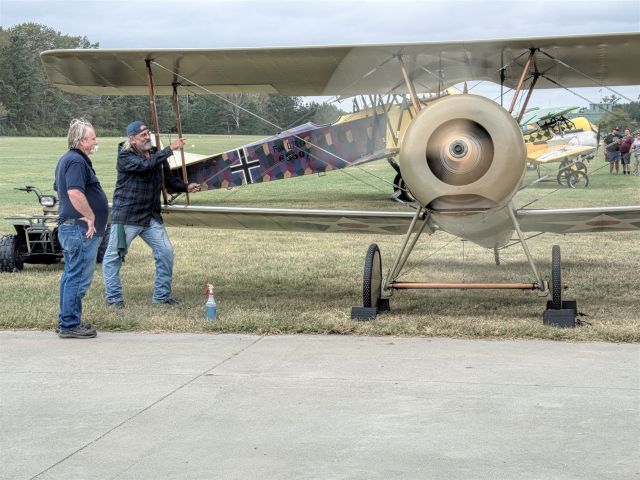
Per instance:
x=625, y=151
x=612, y=149
x=136, y=212
x=635, y=148
x=82, y=220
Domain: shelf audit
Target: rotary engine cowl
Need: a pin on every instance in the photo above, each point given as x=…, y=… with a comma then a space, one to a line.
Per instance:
x=461, y=153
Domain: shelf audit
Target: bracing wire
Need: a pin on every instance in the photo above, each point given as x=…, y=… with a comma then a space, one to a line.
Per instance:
x=267, y=121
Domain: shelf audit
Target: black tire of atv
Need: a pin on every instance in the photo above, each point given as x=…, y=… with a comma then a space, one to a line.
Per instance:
x=12, y=250
x=103, y=245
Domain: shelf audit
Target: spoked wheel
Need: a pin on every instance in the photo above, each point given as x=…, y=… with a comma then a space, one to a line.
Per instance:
x=401, y=189
x=372, y=282
x=573, y=175
x=563, y=177
x=556, y=279
x=578, y=179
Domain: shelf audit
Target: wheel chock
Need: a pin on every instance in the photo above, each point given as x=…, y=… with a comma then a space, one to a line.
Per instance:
x=562, y=318
x=383, y=305
x=363, y=314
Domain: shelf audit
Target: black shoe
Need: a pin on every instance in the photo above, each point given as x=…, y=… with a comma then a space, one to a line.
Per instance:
x=118, y=305
x=81, y=331
x=85, y=325
x=168, y=301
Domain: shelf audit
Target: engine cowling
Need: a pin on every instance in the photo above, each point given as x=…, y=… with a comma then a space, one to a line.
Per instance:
x=463, y=153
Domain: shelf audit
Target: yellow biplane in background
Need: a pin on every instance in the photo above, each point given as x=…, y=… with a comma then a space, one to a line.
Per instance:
x=461, y=157
x=551, y=137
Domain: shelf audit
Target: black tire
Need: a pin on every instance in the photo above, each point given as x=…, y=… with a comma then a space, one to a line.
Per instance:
x=578, y=179
x=103, y=245
x=372, y=281
x=580, y=167
x=563, y=178
x=556, y=279
x=401, y=189
x=12, y=250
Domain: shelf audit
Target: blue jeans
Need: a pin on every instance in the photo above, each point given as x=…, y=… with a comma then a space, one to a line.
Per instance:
x=79, y=255
x=156, y=237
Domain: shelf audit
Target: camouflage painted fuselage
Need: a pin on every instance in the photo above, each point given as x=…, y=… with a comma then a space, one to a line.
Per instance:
x=303, y=150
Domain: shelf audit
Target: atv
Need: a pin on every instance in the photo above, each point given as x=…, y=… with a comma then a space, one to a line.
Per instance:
x=36, y=239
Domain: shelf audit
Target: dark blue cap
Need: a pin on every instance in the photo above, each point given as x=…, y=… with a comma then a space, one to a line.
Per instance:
x=135, y=128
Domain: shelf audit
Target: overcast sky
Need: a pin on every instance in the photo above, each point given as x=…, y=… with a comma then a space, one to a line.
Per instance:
x=242, y=23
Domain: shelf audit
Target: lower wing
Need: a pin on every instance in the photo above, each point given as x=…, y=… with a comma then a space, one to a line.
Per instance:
x=565, y=220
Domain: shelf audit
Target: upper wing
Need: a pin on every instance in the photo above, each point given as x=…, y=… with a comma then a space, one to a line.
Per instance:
x=580, y=220
x=542, y=114
x=348, y=70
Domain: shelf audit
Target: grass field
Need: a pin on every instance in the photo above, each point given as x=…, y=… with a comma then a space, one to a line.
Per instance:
x=277, y=282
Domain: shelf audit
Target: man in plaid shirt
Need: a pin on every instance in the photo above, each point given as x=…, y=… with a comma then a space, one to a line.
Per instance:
x=136, y=212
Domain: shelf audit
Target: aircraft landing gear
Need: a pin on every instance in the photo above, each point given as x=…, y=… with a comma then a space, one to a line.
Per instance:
x=372, y=281
x=401, y=191
x=559, y=313
x=573, y=175
x=372, y=300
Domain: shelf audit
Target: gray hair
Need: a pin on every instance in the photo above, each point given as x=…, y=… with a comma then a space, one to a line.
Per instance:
x=126, y=145
x=77, y=131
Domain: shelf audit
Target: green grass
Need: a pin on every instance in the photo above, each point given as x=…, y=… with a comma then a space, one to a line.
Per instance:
x=279, y=282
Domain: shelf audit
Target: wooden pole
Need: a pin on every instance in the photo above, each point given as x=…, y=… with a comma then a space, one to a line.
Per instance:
x=176, y=110
x=463, y=286
x=412, y=90
x=154, y=119
x=525, y=70
x=526, y=101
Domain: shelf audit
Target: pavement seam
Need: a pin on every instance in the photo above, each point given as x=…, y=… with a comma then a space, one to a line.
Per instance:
x=148, y=407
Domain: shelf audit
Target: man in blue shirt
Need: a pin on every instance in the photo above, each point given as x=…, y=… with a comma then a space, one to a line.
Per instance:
x=136, y=212
x=82, y=219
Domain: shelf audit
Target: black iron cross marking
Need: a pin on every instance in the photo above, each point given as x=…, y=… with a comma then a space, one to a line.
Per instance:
x=245, y=166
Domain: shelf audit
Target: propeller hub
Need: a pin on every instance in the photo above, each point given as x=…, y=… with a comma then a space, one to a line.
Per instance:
x=459, y=152
x=458, y=149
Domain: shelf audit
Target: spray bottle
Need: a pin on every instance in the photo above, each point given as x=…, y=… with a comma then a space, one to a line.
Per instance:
x=210, y=308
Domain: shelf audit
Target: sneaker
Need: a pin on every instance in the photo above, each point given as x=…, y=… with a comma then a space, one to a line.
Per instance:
x=168, y=301
x=81, y=331
x=85, y=325
x=118, y=305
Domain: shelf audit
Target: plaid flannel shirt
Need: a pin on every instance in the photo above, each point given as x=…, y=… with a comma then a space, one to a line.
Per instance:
x=136, y=198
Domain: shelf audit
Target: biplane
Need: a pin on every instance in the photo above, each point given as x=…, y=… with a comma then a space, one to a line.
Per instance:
x=461, y=157
x=551, y=137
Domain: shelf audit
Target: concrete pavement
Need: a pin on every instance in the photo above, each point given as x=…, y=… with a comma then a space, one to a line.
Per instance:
x=190, y=406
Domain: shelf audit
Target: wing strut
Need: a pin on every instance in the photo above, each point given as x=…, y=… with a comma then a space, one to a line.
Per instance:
x=154, y=119
x=410, y=87
x=176, y=109
x=522, y=78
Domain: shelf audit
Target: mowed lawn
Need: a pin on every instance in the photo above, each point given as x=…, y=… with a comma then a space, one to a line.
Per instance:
x=278, y=282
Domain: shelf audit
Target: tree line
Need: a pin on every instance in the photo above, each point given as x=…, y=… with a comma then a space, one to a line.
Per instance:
x=30, y=106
